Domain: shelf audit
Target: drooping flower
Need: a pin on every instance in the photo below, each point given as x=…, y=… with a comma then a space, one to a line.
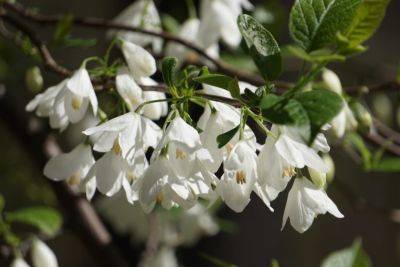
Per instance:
x=345, y=120
x=42, y=255
x=141, y=66
x=282, y=152
x=131, y=132
x=66, y=102
x=190, y=32
x=240, y=178
x=306, y=201
x=72, y=167
x=144, y=14
x=19, y=262
x=174, y=176
x=218, y=119
x=218, y=20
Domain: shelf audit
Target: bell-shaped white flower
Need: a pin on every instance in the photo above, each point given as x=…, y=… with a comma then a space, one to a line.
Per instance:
x=305, y=201
x=218, y=20
x=345, y=120
x=128, y=89
x=113, y=172
x=240, y=178
x=140, y=62
x=79, y=94
x=131, y=131
x=46, y=106
x=19, y=262
x=141, y=65
x=161, y=183
x=42, y=255
x=218, y=120
x=282, y=152
x=144, y=14
x=72, y=167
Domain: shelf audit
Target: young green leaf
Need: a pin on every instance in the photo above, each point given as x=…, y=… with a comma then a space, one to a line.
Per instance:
x=367, y=19
x=315, y=56
x=215, y=261
x=262, y=46
x=63, y=29
x=168, y=70
x=224, y=138
x=390, y=164
x=274, y=263
x=314, y=23
x=217, y=80
x=321, y=107
x=47, y=220
x=283, y=111
x=353, y=256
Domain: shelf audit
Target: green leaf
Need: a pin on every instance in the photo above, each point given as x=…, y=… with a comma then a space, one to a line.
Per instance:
x=314, y=23
x=224, y=138
x=217, y=262
x=280, y=110
x=315, y=56
x=353, y=256
x=170, y=23
x=47, y=220
x=390, y=164
x=217, y=80
x=367, y=19
x=321, y=107
x=274, y=263
x=262, y=46
x=63, y=29
x=168, y=70
x=2, y=203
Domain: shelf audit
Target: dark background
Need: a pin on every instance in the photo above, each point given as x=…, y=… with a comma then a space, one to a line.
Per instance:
x=366, y=199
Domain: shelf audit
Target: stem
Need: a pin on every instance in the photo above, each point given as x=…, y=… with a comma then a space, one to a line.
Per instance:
x=138, y=109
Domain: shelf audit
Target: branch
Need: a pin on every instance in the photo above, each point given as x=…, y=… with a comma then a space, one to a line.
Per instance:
x=106, y=24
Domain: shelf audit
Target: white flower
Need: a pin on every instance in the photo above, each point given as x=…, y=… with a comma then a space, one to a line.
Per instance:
x=130, y=131
x=46, y=106
x=142, y=13
x=218, y=20
x=305, y=201
x=140, y=62
x=66, y=102
x=282, y=152
x=113, y=172
x=174, y=176
x=141, y=65
x=190, y=32
x=218, y=120
x=345, y=120
x=165, y=257
x=240, y=178
x=19, y=262
x=73, y=167
x=42, y=255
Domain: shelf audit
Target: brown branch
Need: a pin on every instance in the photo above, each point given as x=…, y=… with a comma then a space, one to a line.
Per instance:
x=45, y=54
x=106, y=24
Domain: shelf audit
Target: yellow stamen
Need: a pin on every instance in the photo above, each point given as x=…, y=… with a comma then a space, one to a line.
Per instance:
x=229, y=148
x=160, y=198
x=180, y=154
x=289, y=172
x=131, y=177
x=76, y=102
x=74, y=179
x=240, y=177
x=117, y=148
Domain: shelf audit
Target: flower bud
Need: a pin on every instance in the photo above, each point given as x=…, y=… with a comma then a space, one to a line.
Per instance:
x=34, y=79
x=318, y=178
x=382, y=107
x=19, y=262
x=362, y=115
x=331, y=167
x=42, y=255
x=332, y=81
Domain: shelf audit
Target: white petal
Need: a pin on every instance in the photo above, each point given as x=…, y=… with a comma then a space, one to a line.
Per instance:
x=19, y=262
x=128, y=88
x=75, y=114
x=42, y=255
x=332, y=81
x=140, y=62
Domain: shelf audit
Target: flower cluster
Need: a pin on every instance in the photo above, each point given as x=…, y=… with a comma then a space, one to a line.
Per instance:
x=181, y=163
